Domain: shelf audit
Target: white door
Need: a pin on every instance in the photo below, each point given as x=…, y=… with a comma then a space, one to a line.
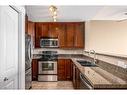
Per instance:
x=8, y=48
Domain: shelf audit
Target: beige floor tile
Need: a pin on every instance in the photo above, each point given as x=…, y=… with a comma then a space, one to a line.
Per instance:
x=52, y=85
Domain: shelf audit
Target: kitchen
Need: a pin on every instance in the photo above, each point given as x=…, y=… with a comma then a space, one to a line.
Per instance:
x=63, y=47
x=59, y=60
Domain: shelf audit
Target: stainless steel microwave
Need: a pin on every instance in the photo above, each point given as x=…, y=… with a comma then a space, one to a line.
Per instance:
x=49, y=42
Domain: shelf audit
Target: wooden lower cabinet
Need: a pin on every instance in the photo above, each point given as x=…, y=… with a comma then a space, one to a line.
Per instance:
x=67, y=70
x=64, y=69
x=76, y=77
x=34, y=69
x=61, y=69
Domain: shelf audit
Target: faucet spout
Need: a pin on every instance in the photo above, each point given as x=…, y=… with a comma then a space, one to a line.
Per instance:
x=93, y=52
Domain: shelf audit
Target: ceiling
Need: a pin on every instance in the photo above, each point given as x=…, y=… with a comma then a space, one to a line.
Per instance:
x=77, y=13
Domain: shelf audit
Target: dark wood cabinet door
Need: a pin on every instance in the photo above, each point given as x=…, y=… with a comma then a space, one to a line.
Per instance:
x=64, y=69
x=31, y=31
x=70, y=35
x=61, y=70
x=77, y=78
x=74, y=76
x=41, y=30
x=68, y=69
x=53, y=30
x=79, y=35
x=34, y=69
x=62, y=35
x=44, y=28
x=38, y=34
x=26, y=23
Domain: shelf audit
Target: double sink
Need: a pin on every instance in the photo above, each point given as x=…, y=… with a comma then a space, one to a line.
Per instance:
x=86, y=63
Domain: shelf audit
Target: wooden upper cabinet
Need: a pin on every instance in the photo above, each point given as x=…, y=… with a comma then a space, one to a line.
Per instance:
x=31, y=31
x=44, y=29
x=41, y=30
x=38, y=33
x=62, y=36
x=26, y=23
x=31, y=28
x=70, y=35
x=79, y=35
x=53, y=30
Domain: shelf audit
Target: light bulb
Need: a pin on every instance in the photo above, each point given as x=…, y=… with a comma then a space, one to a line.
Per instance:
x=54, y=13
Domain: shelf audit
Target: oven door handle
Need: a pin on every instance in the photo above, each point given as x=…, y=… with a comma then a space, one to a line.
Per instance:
x=81, y=77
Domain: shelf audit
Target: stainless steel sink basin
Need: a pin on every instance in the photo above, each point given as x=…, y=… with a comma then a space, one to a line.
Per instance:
x=86, y=63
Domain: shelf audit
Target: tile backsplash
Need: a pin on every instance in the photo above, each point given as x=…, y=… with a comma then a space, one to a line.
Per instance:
x=60, y=51
x=117, y=61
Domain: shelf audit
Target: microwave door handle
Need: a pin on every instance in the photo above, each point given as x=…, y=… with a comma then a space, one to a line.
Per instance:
x=50, y=42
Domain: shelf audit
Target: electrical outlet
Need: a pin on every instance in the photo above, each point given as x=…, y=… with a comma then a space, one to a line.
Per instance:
x=125, y=66
x=122, y=64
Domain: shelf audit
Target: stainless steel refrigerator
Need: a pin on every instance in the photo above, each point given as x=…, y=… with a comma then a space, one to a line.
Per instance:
x=28, y=62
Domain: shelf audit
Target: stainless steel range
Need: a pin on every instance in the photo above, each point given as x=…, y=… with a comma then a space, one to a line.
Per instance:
x=47, y=66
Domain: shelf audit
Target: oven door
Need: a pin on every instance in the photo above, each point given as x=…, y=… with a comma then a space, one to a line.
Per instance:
x=47, y=67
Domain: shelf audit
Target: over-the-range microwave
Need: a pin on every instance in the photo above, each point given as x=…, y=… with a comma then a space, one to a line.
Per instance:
x=49, y=42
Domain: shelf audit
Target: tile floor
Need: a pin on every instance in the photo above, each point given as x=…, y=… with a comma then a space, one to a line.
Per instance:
x=52, y=85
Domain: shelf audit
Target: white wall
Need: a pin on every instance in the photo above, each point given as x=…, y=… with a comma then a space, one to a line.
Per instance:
x=107, y=37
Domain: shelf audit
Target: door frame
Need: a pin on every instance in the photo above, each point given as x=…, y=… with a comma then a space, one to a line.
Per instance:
x=21, y=45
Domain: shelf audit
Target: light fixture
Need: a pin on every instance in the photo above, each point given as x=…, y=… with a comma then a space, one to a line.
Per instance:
x=53, y=10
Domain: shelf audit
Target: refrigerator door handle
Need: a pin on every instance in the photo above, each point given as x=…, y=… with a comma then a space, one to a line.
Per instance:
x=29, y=53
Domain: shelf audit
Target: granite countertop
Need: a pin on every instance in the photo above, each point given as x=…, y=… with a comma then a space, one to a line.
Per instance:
x=100, y=78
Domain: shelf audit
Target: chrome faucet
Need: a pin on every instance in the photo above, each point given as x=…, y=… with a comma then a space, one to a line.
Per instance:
x=93, y=52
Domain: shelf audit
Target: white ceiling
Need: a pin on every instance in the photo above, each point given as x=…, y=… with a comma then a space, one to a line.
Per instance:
x=77, y=13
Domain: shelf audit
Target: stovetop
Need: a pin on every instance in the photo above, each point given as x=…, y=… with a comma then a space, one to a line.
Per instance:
x=49, y=56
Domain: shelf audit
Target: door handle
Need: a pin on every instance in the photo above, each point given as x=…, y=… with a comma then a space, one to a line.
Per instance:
x=5, y=79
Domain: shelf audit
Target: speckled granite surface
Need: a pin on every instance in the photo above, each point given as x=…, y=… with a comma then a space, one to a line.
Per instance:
x=100, y=78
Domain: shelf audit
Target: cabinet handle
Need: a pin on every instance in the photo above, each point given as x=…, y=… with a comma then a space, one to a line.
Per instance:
x=5, y=79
